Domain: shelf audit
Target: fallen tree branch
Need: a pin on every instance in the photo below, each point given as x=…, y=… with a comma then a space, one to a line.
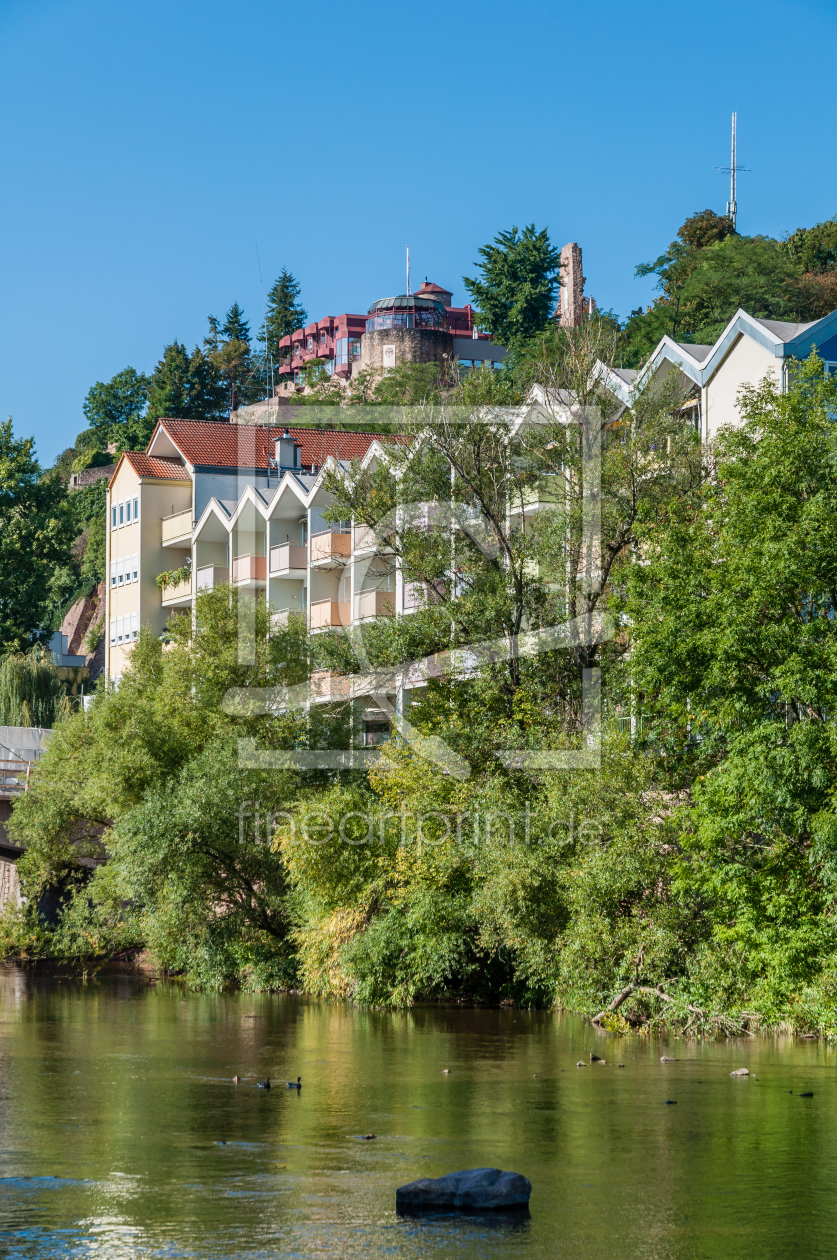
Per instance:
x=641, y=988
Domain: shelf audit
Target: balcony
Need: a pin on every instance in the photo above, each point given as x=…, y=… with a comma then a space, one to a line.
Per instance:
x=280, y=620
x=330, y=550
x=179, y=596
x=177, y=528
x=288, y=560
x=374, y=604
x=210, y=576
x=365, y=539
x=329, y=614
x=327, y=684
x=249, y=570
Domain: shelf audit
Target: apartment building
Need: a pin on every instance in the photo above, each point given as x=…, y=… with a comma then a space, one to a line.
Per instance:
x=747, y=351
x=215, y=503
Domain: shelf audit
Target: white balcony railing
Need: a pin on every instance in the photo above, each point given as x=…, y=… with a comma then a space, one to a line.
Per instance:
x=211, y=575
x=177, y=527
x=287, y=558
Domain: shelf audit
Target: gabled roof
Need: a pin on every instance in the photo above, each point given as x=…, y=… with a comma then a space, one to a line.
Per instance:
x=781, y=338
x=152, y=466
x=212, y=444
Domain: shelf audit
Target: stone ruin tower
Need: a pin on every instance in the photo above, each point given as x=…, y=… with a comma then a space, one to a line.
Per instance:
x=571, y=298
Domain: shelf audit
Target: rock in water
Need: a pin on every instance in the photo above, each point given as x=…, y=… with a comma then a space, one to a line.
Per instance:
x=740, y=1072
x=474, y=1189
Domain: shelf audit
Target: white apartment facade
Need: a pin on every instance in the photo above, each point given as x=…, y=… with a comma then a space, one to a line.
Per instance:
x=203, y=502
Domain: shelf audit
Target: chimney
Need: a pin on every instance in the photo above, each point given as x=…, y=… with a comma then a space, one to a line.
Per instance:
x=570, y=302
x=287, y=451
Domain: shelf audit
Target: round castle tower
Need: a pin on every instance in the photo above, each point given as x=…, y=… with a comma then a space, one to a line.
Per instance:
x=405, y=329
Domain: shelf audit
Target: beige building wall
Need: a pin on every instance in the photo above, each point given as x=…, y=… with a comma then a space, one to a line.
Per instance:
x=747, y=363
x=157, y=498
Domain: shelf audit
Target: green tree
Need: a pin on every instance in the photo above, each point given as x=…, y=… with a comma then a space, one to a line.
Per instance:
x=710, y=271
x=36, y=529
x=115, y=410
x=284, y=314
x=185, y=387
x=235, y=326
x=516, y=292
x=30, y=689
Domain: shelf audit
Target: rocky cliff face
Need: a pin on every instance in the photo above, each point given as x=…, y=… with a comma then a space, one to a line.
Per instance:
x=86, y=616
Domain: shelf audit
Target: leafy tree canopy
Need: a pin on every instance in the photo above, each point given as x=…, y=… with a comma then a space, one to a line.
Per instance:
x=36, y=529
x=115, y=410
x=710, y=271
x=516, y=292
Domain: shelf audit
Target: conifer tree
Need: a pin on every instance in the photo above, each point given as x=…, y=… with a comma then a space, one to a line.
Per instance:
x=516, y=293
x=235, y=326
x=284, y=314
x=185, y=387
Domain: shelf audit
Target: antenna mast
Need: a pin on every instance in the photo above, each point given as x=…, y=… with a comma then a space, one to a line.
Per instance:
x=732, y=170
x=732, y=207
x=408, y=271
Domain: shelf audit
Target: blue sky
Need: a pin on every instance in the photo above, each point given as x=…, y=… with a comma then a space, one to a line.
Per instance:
x=150, y=149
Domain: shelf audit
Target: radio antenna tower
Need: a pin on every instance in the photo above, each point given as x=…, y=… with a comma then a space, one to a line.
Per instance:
x=732, y=170
x=408, y=271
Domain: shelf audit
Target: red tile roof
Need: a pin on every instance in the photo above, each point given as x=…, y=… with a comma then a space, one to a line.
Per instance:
x=153, y=466
x=216, y=445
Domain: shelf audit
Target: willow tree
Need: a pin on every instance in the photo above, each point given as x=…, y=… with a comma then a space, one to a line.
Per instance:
x=30, y=689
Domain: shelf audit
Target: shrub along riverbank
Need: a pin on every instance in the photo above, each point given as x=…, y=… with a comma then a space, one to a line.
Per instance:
x=693, y=868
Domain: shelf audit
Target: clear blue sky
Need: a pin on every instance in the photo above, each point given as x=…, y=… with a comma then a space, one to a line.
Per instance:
x=149, y=147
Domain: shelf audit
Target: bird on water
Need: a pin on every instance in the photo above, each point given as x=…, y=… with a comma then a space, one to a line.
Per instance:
x=264, y=1084
x=297, y=1084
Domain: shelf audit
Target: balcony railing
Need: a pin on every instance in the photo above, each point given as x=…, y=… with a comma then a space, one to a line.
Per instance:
x=329, y=614
x=280, y=619
x=249, y=568
x=211, y=575
x=330, y=546
x=177, y=527
x=287, y=557
x=365, y=538
x=374, y=604
x=14, y=777
x=179, y=594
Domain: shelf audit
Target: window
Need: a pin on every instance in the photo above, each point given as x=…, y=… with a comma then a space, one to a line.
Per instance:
x=135, y=567
x=113, y=632
x=113, y=573
x=113, y=517
x=136, y=509
x=310, y=343
x=323, y=336
x=297, y=378
x=121, y=513
x=128, y=512
x=120, y=572
x=354, y=348
x=341, y=350
x=134, y=627
x=830, y=369
x=119, y=621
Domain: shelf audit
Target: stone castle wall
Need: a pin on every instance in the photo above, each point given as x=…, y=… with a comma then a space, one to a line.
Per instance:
x=412, y=345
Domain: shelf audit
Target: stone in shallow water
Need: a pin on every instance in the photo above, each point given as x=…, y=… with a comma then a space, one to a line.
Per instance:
x=473, y=1189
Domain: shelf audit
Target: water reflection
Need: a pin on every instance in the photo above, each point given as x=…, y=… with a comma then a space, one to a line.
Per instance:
x=122, y=1134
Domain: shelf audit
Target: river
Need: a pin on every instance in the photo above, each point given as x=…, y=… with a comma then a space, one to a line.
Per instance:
x=123, y=1136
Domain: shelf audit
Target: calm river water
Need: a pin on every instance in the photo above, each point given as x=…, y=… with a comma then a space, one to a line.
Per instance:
x=123, y=1136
